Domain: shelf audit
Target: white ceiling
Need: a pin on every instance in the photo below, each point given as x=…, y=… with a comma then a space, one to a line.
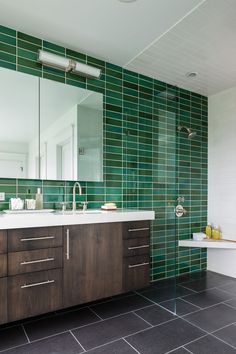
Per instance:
x=164, y=39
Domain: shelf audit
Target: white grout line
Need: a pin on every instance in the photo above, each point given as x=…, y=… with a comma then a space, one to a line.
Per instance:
x=90, y=308
x=150, y=325
x=22, y=326
x=164, y=33
x=77, y=340
x=223, y=341
x=131, y=346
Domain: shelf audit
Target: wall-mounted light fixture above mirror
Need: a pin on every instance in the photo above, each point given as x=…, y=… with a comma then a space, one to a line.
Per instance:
x=62, y=63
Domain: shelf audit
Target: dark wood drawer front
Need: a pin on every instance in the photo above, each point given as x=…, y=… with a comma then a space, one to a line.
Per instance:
x=3, y=265
x=134, y=229
x=136, y=246
x=34, y=261
x=3, y=300
x=36, y=238
x=3, y=242
x=33, y=294
x=136, y=272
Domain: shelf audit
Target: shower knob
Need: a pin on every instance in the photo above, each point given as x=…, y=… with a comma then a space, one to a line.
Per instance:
x=180, y=211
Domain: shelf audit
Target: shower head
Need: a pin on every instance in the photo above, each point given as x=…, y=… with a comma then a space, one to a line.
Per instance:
x=191, y=133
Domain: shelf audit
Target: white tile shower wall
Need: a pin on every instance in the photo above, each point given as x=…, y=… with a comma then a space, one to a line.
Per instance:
x=222, y=176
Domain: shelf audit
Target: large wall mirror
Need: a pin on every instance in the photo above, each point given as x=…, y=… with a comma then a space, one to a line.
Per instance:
x=49, y=130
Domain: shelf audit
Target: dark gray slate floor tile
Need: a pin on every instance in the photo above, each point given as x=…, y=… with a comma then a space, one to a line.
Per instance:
x=162, y=294
x=11, y=337
x=120, y=306
x=231, y=303
x=155, y=315
x=59, y=344
x=118, y=347
x=182, y=307
x=163, y=338
x=213, y=318
x=230, y=287
x=180, y=351
x=109, y=330
x=59, y=323
x=210, y=345
x=228, y=334
x=208, y=298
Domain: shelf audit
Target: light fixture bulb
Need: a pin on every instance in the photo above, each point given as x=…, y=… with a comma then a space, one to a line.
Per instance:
x=54, y=60
x=86, y=70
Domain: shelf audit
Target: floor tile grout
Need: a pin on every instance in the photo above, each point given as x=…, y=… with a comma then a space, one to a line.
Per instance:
x=142, y=318
x=77, y=340
x=22, y=326
x=131, y=345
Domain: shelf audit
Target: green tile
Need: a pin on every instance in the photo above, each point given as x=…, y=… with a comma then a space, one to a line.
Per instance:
x=29, y=38
x=47, y=46
x=7, y=39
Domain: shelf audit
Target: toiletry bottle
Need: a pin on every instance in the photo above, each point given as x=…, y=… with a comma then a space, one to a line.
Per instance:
x=39, y=199
x=216, y=234
x=208, y=231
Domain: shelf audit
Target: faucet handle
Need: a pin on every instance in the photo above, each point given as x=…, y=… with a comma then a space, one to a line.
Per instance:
x=63, y=204
x=84, y=204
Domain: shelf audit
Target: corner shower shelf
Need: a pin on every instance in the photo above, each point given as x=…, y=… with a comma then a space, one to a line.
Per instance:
x=219, y=244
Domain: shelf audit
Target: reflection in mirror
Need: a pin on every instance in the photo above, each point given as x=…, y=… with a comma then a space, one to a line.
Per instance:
x=71, y=132
x=19, y=122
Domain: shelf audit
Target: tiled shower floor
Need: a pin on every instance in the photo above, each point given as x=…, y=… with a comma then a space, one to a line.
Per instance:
x=138, y=322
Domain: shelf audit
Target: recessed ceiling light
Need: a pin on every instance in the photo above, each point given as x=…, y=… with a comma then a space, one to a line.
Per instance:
x=191, y=74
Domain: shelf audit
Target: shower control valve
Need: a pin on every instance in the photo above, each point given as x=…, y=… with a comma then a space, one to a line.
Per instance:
x=180, y=211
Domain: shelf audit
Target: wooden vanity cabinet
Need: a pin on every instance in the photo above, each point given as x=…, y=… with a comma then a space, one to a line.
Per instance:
x=48, y=268
x=92, y=262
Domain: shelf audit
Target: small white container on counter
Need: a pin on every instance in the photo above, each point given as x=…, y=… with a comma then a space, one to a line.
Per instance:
x=199, y=236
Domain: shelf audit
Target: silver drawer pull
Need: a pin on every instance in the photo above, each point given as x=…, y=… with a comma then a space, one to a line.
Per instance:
x=37, y=261
x=67, y=244
x=37, y=238
x=138, y=247
x=141, y=229
x=37, y=284
x=138, y=265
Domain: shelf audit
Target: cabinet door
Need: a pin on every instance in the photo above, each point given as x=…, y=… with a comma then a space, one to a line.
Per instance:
x=92, y=263
x=3, y=300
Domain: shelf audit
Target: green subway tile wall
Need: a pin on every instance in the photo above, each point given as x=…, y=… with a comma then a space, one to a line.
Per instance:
x=146, y=163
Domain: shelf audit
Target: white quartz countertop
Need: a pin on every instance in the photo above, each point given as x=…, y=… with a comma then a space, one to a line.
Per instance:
x=15, y=221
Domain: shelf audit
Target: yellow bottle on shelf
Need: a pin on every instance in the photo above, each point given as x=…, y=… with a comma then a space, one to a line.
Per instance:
x=216, y=233
x=208, y=231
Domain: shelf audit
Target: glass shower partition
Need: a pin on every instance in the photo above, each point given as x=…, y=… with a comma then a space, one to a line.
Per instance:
x=150, y=166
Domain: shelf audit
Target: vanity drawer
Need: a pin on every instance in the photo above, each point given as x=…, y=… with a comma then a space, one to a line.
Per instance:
x=134, y=229
x=34, y=293
x=35, y=238
x=136, y=272
x=136, y=246
x=3, y=265
x=3, y=241
x=34, y=261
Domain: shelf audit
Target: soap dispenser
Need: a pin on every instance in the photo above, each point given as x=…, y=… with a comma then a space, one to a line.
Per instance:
x=39, y=199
